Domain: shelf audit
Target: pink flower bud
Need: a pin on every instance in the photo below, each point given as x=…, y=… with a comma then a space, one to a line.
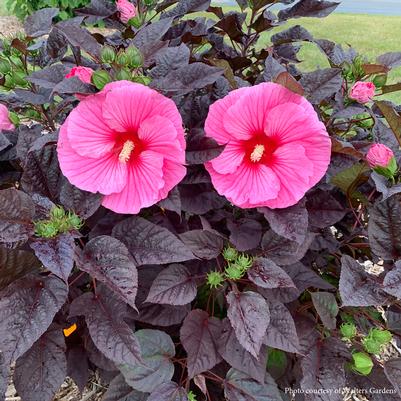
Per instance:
x=5, y=123
x=363, y=92
x=83, y=73
x=379, y=156
x=127, y=10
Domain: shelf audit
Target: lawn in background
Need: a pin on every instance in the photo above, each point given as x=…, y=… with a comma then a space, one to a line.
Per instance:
x=3, y=9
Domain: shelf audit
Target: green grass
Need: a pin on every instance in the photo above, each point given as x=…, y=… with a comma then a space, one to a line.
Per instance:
x=370, y=35
x=3, y=9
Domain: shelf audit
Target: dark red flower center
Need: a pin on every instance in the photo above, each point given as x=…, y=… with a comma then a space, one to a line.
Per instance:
x=260, y=149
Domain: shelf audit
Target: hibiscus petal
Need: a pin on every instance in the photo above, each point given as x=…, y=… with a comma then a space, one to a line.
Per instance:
x=144, y=182
x=214, y=126
x=127, y=106
x=173, y=173
x=294, y=180
x=104, y=174
x=248, y=186
x=159, y=135
x=229, y=160
x=291, y=125
x=247, y=116
x=88, y=133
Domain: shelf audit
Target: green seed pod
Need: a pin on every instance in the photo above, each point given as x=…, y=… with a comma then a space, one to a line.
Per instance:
x=230, y=254
x=134, y=56
x=19, y=78
x=142, y=79
x=214, y=279
x=234, y=272
x=380, y=80
x=348, y=330
x=124, y=75
x=381, y=336
x=371, y=345
x=135, y=22
x=14, y=118
x=362, y=363
x=5, y=67
x=122, y=59
x=107, y=55
x=57, y=212
x=244, y=261
x=74, y=221
x=100, y=79
x=45, y=229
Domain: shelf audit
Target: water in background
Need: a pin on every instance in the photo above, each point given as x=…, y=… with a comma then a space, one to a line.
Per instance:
x=384, y=7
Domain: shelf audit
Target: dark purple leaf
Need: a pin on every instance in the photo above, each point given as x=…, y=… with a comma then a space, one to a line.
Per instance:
x=40, y=97
x=281, y=332
x=204, y=244
x=326, y=306
x=163, y=315
x=172, y=202
x=249, y=315
x=56, y=254
x=238, y=357
x=187, y=6
x=197, y=335
x=16, y=214
x=26, y=137
x=385, y=228
x=156, y=349
x=80, y=37
x=148, y=39
x=73, y=85
x=245, y=234
x=284, y=251
x=323, y=368
x=119, y=390
x=240, y=387
x=294, y=34
x=78, y=367
x=108, y=260
x=321, y=84
x=309, y=8
x=382, y=185
x=272, y=69
x=40, y=22
x=168, y=392
x=15, y=264
x=357, y=287
x=196, y=201
x=392, y=281
x=392, y=59
x=41, y=371
x=83, y=203
x=200, y=148
x=392, y=369
x=27, y=308
x=188, y=78
x=42, y=173
x=173, y=286
x=324, y=210
x=170, y=58
x=104, y=316
x=49, y=76
x=150, y=243
x=266, y=274
x=4, y=372
x=97, y=10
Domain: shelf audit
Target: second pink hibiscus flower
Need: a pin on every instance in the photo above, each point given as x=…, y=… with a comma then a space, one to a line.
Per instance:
x=126, y=142
x=276, y=147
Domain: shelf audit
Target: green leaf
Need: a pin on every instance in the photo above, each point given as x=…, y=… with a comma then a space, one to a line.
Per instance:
x=349, y=179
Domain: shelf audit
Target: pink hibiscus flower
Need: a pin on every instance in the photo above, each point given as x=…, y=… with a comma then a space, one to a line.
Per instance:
x=126, y=142
x=276, y=147
x=5, y=123
x=127, y=10
x=83, y=73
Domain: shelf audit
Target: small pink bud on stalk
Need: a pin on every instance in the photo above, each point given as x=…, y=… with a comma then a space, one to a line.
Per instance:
x=381, y=159
x=362, y=92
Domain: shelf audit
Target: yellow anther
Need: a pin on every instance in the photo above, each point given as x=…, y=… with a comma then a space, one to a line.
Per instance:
x=257, y=153
x=126, y=151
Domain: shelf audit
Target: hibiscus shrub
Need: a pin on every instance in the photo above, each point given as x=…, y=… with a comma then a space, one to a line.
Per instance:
x=188, y=215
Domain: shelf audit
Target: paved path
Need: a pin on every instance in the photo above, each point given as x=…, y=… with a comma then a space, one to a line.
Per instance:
x=384, y=7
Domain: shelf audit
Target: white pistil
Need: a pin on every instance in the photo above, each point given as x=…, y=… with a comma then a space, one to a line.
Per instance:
x=257, y=153
x=126, y=151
